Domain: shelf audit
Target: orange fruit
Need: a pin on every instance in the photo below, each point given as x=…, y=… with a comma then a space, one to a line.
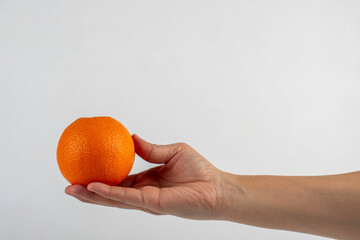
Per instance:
x=96, y=149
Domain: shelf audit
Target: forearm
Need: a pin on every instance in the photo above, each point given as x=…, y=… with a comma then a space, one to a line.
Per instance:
x=322, y=205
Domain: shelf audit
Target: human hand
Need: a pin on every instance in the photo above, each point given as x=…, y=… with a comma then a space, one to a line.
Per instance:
x=185, y=185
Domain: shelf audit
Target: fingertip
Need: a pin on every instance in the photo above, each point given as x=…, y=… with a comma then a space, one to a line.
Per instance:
x=141, y=145
x=96, y=187
x=71, y=189
x=67, y=190
x=136, y=138
x=76, y=189
x=91, y=186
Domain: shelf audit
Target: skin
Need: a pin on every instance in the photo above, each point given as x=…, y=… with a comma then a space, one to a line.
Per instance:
x=187, y=185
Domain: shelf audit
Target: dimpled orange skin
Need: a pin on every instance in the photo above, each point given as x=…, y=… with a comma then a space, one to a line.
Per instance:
x=96, y=149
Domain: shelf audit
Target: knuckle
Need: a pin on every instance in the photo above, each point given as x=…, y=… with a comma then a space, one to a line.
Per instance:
x=125, y=196
x=109, y=191
x=143, y=201
x=153, y=146
x=176, y=149
x=182, y=146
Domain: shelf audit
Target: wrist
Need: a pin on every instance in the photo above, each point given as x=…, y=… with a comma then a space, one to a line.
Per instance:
x=233, y=198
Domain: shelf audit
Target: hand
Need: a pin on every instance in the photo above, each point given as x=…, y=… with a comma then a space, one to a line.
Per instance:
x=185, y=185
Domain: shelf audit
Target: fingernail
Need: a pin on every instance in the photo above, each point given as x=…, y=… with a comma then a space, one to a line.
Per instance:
x=135, y=135
x=67, y=191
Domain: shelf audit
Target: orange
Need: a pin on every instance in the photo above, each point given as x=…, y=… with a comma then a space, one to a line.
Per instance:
x=96, y=149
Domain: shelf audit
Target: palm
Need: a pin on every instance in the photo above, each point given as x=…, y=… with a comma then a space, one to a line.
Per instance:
x=184, y=184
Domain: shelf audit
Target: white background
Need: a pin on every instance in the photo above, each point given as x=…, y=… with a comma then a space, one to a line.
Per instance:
x=257, y=87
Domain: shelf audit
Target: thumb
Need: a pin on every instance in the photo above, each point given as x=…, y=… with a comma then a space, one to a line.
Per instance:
x=155, y=153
